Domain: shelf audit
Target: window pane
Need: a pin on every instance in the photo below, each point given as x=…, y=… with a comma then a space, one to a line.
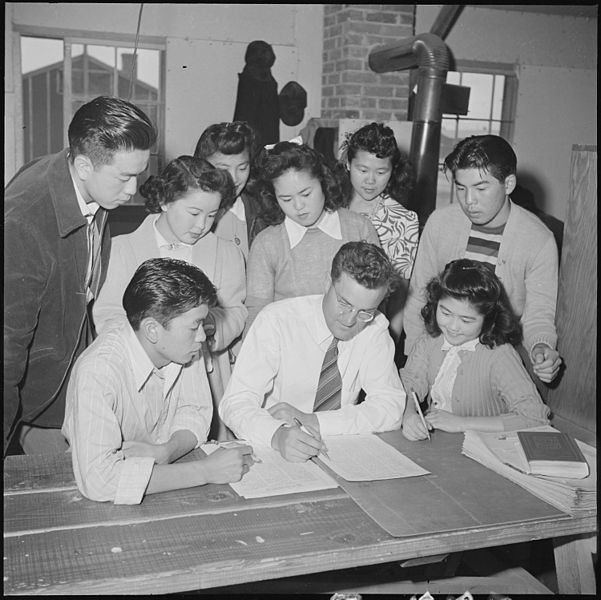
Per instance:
x=480, y=85
x=497, y=103
x=467, y=128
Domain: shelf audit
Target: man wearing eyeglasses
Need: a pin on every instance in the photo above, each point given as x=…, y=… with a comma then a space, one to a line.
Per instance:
x=305, y=361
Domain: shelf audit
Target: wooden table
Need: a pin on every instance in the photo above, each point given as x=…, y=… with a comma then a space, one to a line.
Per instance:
x=57, y=542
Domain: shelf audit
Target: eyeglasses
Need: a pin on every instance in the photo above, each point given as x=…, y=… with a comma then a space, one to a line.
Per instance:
x=344, y=308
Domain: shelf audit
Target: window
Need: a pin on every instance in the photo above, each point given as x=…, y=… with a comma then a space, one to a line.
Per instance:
x=491, y=110
x=60, y=75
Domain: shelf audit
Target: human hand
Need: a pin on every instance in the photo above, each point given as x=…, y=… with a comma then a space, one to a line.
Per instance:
x=413, y=428
x=545, y=362
x=296, y=445
x=444, y=420
x=293, y=416
x=133, y=449
x=227, y=465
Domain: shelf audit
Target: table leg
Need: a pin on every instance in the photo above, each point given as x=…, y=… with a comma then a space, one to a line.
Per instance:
x=574, y=563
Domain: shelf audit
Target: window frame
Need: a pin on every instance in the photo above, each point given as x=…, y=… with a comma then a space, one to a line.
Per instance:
x=69, y=37
x=507, y=119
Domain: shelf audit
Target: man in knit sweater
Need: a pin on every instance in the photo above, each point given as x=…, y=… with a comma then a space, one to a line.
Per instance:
x=486, y=226
x=279, y=394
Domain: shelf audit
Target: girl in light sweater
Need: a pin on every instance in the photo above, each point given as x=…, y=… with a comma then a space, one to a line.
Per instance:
x=466, y=362
x=307, y=226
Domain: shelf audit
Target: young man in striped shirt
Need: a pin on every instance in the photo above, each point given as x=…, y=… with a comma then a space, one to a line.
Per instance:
x=487, y=226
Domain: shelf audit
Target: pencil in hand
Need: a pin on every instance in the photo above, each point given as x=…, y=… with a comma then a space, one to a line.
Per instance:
x=419, y=412
x=323, y=450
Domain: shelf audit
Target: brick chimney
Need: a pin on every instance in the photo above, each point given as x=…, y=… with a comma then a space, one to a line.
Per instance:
x=350, y=90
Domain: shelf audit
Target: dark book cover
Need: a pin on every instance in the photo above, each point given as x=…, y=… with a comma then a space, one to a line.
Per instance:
x=550, y=446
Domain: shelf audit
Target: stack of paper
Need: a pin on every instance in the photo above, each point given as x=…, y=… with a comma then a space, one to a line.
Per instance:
x=502, y=453
x=366, y=457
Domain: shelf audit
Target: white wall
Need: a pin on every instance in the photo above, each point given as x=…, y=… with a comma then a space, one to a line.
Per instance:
x=556, y=64
x=205, y=52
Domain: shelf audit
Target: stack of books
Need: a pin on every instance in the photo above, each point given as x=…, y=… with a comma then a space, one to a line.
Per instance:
x=555, y=467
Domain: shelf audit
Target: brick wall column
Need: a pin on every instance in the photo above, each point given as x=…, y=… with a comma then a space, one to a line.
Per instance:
x=350, y=89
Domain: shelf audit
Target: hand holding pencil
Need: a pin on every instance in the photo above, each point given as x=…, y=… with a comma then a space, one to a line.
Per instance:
x=415, y=426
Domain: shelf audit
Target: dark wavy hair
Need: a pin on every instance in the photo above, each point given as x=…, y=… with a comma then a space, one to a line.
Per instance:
x=286, y=156
x=185, y=174
x=367, y=264
x=378, y=139
x=483, y=152
x=107, y=125
x=164, y=288
x=227, y=138
x=477, y=283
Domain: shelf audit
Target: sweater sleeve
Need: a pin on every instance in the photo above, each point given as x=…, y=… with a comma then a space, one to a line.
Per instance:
x=260, y=275
x=230, y=315
x=538, y=318
x=424, y=269
x=510, y=381
x=414, y=374
x=108, y=307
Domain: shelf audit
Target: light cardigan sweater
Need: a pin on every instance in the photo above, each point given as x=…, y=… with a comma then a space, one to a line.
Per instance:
x=276, y=271
x=220, y=260
x=489, y=382
x=527, y=266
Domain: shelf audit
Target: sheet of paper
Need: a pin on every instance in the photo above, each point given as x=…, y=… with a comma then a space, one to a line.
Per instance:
x=365, y=457
x=275, y=475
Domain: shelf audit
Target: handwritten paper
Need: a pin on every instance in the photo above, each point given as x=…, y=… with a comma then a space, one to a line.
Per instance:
x=366, y=457
x=275, y=476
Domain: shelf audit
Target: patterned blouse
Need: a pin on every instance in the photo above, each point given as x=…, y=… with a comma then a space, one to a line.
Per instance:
x=398, y=231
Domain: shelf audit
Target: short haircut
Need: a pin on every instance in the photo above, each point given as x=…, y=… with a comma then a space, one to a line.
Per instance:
x=107, y=125
x=227, y=138
x=476, y=282
x=483, y=152
x=164, y=288
x=187, y=174
x=367, y=264
x=379, y=139
x=286, y=156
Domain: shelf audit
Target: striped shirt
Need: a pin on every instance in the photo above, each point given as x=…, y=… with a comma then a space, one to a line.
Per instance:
x=483, y=243
x=116, y=395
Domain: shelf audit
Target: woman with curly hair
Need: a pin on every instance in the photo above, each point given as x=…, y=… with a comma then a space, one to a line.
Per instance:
x=307, y=225
x=466, y=361
x=377, y=179
x=183, y=202
x=232, y=147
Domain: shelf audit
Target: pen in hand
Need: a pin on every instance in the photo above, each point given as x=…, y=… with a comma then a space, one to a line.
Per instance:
x=419, y=412
x=323, y=450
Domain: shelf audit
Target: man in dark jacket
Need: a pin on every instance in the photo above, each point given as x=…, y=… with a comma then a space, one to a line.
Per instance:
x=55, y=256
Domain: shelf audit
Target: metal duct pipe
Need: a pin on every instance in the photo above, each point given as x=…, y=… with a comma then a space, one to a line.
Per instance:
x=431, y=55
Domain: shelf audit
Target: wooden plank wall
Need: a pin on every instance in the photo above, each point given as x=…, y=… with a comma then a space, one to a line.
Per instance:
x=573, y=400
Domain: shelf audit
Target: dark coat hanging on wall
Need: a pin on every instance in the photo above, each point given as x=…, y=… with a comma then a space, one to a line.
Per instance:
x=257, y=97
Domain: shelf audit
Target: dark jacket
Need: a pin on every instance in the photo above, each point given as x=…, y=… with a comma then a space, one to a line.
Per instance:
x=46, y=324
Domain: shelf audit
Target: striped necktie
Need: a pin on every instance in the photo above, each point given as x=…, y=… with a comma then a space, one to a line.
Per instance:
x=94, y=243
x=329, y=387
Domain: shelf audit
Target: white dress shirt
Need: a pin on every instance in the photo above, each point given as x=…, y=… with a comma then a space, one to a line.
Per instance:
x=116, y=395
x=280, y=361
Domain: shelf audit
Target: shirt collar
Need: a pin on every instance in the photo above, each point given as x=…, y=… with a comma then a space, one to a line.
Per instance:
x=142, y=366
x=467, y=346
x=237, y=209
x=88, y=209
x=162, y=242
x=329, y=224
